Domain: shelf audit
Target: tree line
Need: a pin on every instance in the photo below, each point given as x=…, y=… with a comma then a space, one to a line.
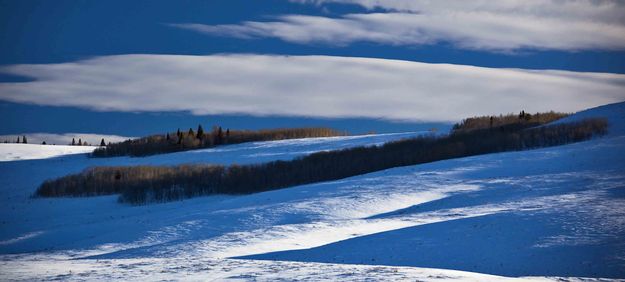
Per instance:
x=24, y=140
x=189, y=140
x=523, y=118
x=145, y=184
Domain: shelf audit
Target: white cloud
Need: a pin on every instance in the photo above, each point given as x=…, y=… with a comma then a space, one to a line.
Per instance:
x=64, y=138
x=483, y=25
x=320, y=86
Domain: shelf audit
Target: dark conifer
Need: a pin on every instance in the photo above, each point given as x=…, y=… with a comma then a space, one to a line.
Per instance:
x=73, y=142
x=200, y=132
x=220, y=135
x=102, y=143
x=18, y=140
x=191, y=133
x=24, y=139
x=79, y=142
x=167, y=137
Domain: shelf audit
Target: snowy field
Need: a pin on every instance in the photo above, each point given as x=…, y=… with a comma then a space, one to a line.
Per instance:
x=16, y=152
x=547, y=214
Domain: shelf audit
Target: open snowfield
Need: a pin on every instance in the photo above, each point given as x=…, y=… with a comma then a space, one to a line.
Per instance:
x=16, y=152
x=542, y=214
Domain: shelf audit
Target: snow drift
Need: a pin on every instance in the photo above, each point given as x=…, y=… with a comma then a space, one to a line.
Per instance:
x=547, y=213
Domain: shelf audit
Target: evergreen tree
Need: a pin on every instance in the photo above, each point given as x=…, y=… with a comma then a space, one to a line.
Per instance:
x=102, y=144
x=73, y=142
x=79, y=142
x=200, y=132
x=24, y=139
x=528, y=117
x=220, y=136
x=178, y=133
x=167, y=137
x=191, y=133
x=18, y=140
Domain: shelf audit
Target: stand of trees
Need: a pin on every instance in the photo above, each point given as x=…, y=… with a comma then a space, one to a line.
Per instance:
x=18, y=141
x=182, y=141
x=144, y=184
x=24, y=140
x=522, y=119
x=79, y=143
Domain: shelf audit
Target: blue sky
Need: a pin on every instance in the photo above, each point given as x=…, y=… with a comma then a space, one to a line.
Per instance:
x=45, y=37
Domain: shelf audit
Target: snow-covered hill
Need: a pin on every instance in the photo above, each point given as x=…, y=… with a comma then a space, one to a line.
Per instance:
x=16, y=152
x=553, y=212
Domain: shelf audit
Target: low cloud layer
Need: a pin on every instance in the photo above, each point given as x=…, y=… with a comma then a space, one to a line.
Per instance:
x=318, y=86
x=500, y=26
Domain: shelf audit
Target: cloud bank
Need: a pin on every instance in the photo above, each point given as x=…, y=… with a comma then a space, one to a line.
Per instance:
x=501, y=26
x=317, y=86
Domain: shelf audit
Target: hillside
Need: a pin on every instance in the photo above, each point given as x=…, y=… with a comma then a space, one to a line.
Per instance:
x=16, y=152
x=546, y=213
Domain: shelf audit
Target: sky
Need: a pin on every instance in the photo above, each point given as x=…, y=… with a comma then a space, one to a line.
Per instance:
x=132, y=68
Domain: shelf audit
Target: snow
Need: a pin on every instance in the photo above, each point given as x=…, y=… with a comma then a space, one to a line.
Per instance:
x=615, y=113
x=15, y=152
x=64, y=138
x=547, y=214
x=252, y=152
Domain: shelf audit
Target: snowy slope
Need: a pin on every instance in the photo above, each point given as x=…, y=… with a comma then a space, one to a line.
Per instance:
x=615, y=113
x=26, y=217
x=251, y=152
x=65, y=138
x=553, y=212
x=16, y=152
